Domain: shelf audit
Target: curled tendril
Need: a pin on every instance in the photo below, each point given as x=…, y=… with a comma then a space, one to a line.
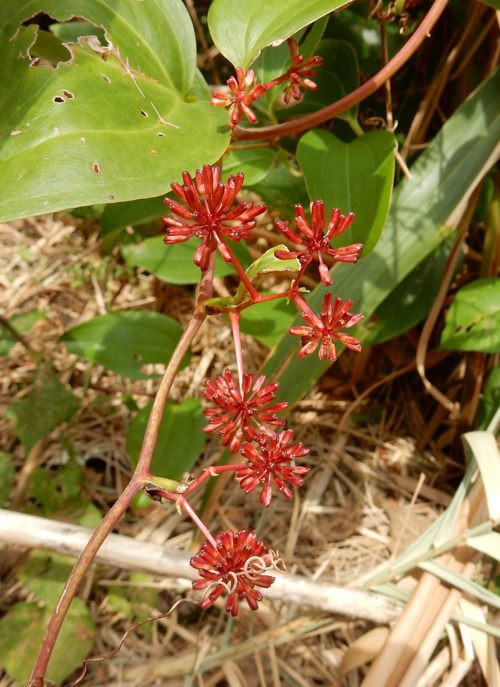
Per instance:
x=254, y=567
x=111, y=654
x=257, y=565
x=221, y=583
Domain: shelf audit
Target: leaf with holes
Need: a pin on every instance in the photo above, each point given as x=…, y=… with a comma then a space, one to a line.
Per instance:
x=473, y=320
x=102, y=131
x=355, y=177
x=180, y=441
x=241, y=29
x=124, y=341
x=47, y=406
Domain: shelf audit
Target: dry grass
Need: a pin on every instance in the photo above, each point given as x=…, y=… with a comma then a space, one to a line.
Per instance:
x=374, y=486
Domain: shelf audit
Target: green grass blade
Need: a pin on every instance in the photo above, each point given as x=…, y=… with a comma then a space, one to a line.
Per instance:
x=442, y=177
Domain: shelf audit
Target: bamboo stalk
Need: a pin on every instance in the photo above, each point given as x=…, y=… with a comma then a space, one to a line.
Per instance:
x=124, y=552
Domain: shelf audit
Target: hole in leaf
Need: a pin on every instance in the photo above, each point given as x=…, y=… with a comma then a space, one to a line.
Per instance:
x=58, y=99
x=96, y=168
x=68, y=94
x=160, y=134
x=144, y=113
x=106, y=78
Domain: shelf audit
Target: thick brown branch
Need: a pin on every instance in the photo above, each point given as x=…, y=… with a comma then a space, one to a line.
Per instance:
x=373, y=84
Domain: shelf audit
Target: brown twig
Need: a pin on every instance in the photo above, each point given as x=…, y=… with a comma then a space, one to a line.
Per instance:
x=389, y=117
x=136, y=483
x=463, y=227
x=373, y=84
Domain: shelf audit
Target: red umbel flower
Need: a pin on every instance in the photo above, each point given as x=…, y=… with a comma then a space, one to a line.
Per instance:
x=241, y=96
x=300, y=73
x=315, y=242
x=272, y=461
x=238, y=412
x=334, y=316
x=209, y=212
x=235, y=567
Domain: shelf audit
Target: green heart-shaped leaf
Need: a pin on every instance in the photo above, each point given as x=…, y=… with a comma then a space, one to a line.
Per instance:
x=124, y=341
x=354, y=177
x=241, y=29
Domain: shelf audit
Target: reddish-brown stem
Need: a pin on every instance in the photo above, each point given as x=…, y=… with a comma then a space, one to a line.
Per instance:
x=181, y=502
x=254, y=294
x=273, y=296
x=186, y=507
x=267, y=144
x=137, y=481
x=373, y=84
x=212, y=471
x=235, y=328
x=387, y=85
x=260, y=299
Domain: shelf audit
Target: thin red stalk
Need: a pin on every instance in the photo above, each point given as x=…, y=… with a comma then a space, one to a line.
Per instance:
x=235, y=328
x=268, y=144
x=373, y=84
x=197, y=520
x=260, y=299
x=137, y=481
x=302, y=305
x=254, y=294
x=273, y=296
x=212, y=471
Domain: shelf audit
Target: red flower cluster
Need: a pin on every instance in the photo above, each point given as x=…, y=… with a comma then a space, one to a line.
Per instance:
x=236, y=566
x=300, y=73
x=272, y=460
x=208, y=211
x=241, y=96
x=315, y=242
x=334, y=317
x=243, y=91
x=238, y=411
